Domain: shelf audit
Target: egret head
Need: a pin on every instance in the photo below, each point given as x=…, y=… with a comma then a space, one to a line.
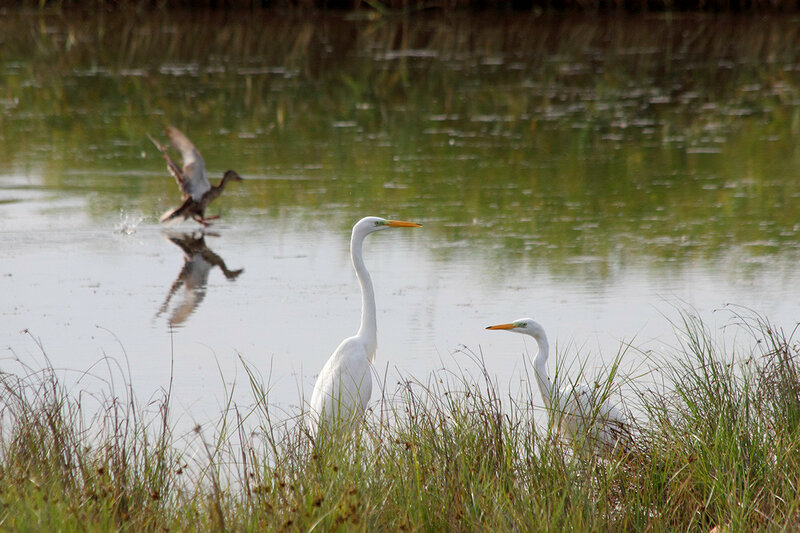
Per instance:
x=527, y=326
x=371, y=224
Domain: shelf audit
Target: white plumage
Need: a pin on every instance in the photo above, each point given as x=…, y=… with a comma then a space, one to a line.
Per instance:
x=344, y=385
x=579, y=413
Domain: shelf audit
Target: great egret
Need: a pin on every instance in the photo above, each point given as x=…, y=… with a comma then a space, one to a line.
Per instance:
x=344, y=385
x=579, y=413
x=196, y=191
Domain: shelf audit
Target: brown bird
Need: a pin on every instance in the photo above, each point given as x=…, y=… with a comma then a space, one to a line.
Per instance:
x=196, y=191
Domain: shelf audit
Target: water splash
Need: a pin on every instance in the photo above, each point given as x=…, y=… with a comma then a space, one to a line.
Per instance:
x=128, y=222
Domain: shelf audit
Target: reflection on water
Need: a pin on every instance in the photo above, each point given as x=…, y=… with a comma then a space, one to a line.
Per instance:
x=669, y=139
x=199, y=260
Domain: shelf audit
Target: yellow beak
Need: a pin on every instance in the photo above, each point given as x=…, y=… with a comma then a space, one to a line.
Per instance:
x=502, y=326
x=402, y=224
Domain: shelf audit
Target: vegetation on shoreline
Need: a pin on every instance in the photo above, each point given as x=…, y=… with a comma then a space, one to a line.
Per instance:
x=718, y=445
x=383, y=6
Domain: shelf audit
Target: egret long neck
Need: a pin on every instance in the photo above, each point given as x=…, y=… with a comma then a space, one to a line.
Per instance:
x=368, y=331
x=540, y=369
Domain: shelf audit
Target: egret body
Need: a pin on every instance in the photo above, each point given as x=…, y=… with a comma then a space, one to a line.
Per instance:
x=344, y=384
x=578, y=413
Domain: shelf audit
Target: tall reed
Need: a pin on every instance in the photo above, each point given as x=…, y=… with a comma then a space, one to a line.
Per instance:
x=716, y=445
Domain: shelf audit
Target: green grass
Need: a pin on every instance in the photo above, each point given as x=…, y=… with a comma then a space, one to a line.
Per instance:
x=718, y=443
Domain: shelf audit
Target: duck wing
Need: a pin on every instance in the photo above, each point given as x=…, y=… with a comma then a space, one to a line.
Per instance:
x=172, y=166
x=194, y=180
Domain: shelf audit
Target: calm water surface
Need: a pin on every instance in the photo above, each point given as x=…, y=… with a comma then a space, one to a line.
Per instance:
x=592, y=173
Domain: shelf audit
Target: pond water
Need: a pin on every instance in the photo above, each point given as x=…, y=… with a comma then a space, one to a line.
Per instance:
x=591, y=172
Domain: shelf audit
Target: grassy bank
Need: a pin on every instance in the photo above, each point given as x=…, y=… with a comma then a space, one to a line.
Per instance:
x=717, y=445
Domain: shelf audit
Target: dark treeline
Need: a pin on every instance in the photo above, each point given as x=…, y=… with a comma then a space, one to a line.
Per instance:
x=415, y=5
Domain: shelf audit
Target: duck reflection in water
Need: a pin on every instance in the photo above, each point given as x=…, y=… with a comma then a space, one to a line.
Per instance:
x=199, y=260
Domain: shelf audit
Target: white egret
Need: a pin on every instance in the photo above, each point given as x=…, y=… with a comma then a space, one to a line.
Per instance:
x=344, y=385
x=196, y=191
x=581, y=414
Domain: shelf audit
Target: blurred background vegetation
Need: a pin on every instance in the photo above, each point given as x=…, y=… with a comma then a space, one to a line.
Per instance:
x=445, y=5
x=595, y=135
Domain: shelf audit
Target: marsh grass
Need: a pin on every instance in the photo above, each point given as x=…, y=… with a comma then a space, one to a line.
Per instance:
x=727, y=429
x=60, y=468
x=716, y=445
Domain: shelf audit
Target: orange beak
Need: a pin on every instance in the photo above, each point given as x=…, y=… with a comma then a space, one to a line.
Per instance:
x=402, y=224
x=502, y=326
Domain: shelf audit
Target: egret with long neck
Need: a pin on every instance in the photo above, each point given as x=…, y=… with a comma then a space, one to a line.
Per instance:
x=344, y=384
x=579, y=414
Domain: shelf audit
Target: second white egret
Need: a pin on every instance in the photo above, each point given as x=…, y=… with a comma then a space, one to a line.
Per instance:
x=580, y=414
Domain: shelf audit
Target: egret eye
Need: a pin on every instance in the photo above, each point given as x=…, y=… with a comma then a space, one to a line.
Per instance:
x=379, y=223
